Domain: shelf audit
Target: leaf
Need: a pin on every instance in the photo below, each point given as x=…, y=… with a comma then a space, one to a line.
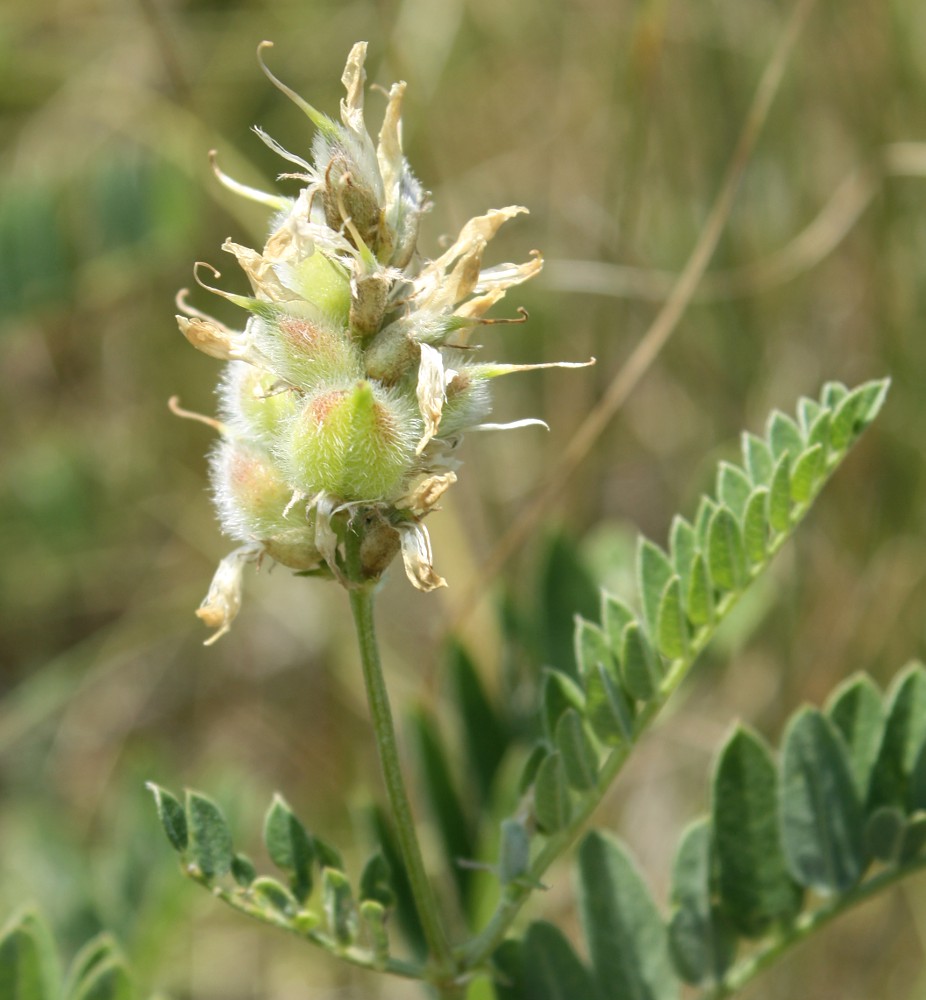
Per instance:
x=833, y=393
x=552, y=804
x=808, y=410
x=755, y=527
x=702, y=943
x=672, y=635
x=819, y=433
x=592, y=646
x=806, y=474
x=779, y=496
x=700, y=596
x=268, y=892
x=376, y=882
x=904, y=733
x=551, y=969
x=243, y=870
x=580, y=761
x=485, y=734
x=608, y=708
x=726, y=558
x=855, y=709
x=653, y=573
x=615, y=617
x=706, y=510
x=373, y=916
x=338, y=904
x=290, y=847
x=327, y=856
x=453, y=824
x=109, y=980
x=93, y=954
x=783, y=435
x=171, y=815
x=821, y=814
x=856, y=411
x=683, y=544
x=625, y=934
x=210, y=844
x=733, y=488
x=755, y=887
x=757, y=457
x=884, y=833
x=558, y=694
x=28, y=963
x=532, y=765
x=509, y=965
x=638, y=664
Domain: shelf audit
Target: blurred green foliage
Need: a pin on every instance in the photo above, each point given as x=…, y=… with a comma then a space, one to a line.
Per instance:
x=613, y=122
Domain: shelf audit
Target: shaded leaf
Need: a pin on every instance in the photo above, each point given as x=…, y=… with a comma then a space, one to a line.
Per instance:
x=706, y=511
x=376, y=882
x=608, y=707
x=808, y=410
x=552, y=970
x=210, y=846
x=580, y=760
x=171, y=815
x=779, y=496
x=109, y=980
x=243, y=870
x=855, y=709
x=289, y=846
x=592, y=646
x=625, y=934
x=270, y=893
x=700, y=596
x=552, y=804
x=821, y=814
x=856, y=411
x=755, y=887
x=653, y=573
x=884, y=833
x=672, y=636
x=755, y=527
x=373, y=916
x=615, y=617
x=806, y=474
x=559, y=693
x=819, y=433
x=28, y=963
x=733, y=488
x=783, y=435
x=726, y=558
x=338, y=904
x=638, y=664
x=683, y=545
x=904, y=733
x=757, y=458
x=833, y=393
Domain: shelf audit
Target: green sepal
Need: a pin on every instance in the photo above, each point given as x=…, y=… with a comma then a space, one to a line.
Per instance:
x=171, y=815
x=552, y=801
x=290, y=847
x=580, y=761
x=210, y=843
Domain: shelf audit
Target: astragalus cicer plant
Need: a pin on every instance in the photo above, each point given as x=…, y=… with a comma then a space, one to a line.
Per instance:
x=343, y=404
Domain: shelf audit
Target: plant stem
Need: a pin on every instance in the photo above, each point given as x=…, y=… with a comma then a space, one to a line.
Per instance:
x=361, y=603
x=803, y=927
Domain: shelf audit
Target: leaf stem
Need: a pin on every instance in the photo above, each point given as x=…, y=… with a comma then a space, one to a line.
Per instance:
x=361, y=603
x=803, y=927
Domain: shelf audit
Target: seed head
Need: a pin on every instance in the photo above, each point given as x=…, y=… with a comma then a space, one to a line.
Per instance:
x=348, y=387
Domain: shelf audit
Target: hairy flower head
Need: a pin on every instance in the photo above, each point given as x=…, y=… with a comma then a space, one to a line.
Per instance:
x=350, y=382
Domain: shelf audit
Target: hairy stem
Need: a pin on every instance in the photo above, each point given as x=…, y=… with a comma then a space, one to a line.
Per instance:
x=361, y=603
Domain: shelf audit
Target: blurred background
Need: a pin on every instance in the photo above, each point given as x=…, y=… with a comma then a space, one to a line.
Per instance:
x=613, y=120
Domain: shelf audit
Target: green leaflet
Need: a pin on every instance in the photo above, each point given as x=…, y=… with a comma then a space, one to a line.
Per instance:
x=552, y=970
x=757, y=458
x=580, y=760
x=608, y=707
x=210, y=846
x=726, y=557
x=904, y=733
x=552, y=802
x=338, y=904
x=855, y=709
x=733, y=488
x=783, y=435
x=779, y=496
x=289, y=846
x=672, y=635
x=625, y=934
x=755, y=887
x=683, y=545
x=171, y=815
x=702, y=943
x=653, y=573
x=807, y=472
x=638, y=664
x=820, y=809
x=28, y=964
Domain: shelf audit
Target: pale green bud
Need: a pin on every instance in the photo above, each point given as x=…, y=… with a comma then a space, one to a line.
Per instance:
x=355, y=443
x=255, y=401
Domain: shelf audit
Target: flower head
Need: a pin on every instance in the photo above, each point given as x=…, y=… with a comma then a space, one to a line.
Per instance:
x=348, y=387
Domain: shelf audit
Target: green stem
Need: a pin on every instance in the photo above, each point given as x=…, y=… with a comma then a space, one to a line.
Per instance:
x=803, y=927
x=361, y=603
